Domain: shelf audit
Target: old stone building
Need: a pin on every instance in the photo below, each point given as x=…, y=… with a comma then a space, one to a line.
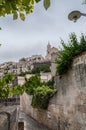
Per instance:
x=50, y=51
x=27, y=64
x=24, y=65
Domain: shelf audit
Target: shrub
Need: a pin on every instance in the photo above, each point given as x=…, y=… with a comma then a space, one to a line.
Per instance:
x=32, y=83
x=68, y=52
x=44, y=68
x=42, y=96
x=7, y=88
x=24, y=73
x=50, y=82
x=40, y=90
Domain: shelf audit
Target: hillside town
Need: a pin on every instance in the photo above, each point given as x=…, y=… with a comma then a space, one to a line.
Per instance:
x=42, y=87
x=27, y=64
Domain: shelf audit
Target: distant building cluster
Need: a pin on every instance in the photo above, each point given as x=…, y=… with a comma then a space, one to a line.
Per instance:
x=26, y=64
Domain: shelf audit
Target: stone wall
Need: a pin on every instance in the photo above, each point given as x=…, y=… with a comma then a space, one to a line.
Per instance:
x=4, y=121
x=53, y=64
x=8, y=118
x=67, y=109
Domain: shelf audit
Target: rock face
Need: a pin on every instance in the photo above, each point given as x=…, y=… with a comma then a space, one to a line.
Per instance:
x=67, y=109
x=8, y=118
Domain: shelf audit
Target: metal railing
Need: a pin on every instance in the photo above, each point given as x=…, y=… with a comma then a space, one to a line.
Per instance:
x=10, y=101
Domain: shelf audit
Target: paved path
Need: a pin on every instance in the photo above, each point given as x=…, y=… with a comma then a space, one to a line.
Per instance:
x=29, y=123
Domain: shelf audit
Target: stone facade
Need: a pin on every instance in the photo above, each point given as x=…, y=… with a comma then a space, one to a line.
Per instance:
x=45, y=77
x=50, y=51
x=27, y=64
x=21, y=80
x=24, y=65
x=67, y=109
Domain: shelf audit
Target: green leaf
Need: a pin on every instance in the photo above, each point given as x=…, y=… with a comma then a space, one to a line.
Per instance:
x=22, y=16
x=37, y=1
x=15, y=16
x=46, y=4
x=8, y=8
x=26, y=2
x=1, y=1
x=19, y=6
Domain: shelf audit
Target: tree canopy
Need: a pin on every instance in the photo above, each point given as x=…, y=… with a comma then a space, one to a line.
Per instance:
x=7, y=88
x=19, y=8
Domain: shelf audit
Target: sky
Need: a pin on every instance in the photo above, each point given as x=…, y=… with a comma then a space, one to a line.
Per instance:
x=24, y=39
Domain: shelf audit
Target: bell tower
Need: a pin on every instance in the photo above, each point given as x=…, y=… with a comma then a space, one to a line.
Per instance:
x=48, y=55
x=50, y=51
x=48, y=48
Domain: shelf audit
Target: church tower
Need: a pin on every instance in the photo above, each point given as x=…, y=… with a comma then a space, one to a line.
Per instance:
x=48, y=48
x=50, y=51
x=48, y=55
